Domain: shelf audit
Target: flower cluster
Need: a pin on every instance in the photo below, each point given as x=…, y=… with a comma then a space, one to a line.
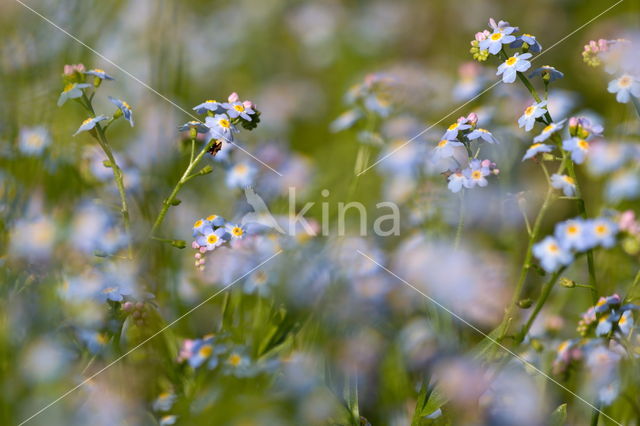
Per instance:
x=211, y=233
x=222, y=119
x=77, y=88
x=609, y=316
x=217, y=352
x=572, y=236
x=454, y=150
x=620, y=60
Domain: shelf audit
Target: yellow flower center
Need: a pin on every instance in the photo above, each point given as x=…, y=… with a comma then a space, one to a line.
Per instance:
x=101, y=338
x=210, y=101
x=453, y=126
x=582, y=144
x=235, y=359
x=126, y=105
x=237, y=231
x=572, y=229
x=241, y=169
x=601, y=229
x=548, y=128
x=198, y=224
x=535, y=145
x=623, y=320
x=205, y=351
x=569, y=180
x=108, y=290
x=69, y=87
x=553, y=248
x=442, y=143
x=212, y=217
x=239, y=108
x=511, y=61
x=98, y=70
x=496, y=36
x=625, y=81
x=223, y=122
x=212, y=239
x=476, y=174
x=529, y=110
x=88, y=120
x=562, y=346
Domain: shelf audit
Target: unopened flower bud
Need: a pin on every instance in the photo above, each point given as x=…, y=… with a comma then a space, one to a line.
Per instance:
x=566, y=282
x=525, y=303
x=179, y=244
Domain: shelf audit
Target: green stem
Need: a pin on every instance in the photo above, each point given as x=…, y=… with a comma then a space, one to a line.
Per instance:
x=636, y=103
x=595, y=414
x=186, y=177
x=118, y=176
x=635, y=283
x=544, y=295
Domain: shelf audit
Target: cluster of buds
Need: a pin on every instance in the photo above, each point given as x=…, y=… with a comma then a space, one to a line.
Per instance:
x=479, y=54
x=139, y=311
x=592, y=52
x=582, y=127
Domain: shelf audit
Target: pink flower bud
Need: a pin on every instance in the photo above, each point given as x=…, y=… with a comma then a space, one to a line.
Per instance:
x=248, y=104
x=203, y=249
x=472, y=119
x=127, y=306
x=198, y=255
x=195, y=245
x=486, y=163
x=234, y=97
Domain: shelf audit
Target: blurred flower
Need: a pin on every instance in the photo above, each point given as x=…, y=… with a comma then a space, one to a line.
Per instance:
x=196, y=125
x=33, y=140
x=72, y=91
x=536, y=149
x=548, y=73
x=101, y=74
x=483, y=134
x=564, y=182
x=445, y=149
x=530, y=40
x=624, y=87
x=551, y=254
x=579, y=148
x=624, y=185
x=476, y=174
x=164, y=401
x=33, y=238
x=241, y=175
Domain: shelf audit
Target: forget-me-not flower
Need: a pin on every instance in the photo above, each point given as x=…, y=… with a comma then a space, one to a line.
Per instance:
x=125, y=108
x=624, y=87
x=33, y=140
x=212, y=239
x=551, y=254
x=238, y=109
x=452, y=131
x=456, y=181
x=221, y=127
x=197, y=125
x=531, y=113
x=549, y=130
x=101, y=74
x=72, y=91
x=573, y=234
x=90, y=123
x=493, y=43
x=578, y=147
x=483, y=134
x=564, y=182
x=444, y=149
x=236, y=231
x=548, y=73
x=513, y=65
x=241, y=175
x=531, y=41
x=536, y=149
x=209, y=106
x=476, y=174
x=604, y=232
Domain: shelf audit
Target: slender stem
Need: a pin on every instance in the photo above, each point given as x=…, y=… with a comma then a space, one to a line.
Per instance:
x=636, y=103
x=595, y=414
x=118, y=176
x=186, y=176
x=460, y=222
x=635, y=283
x=544, y=295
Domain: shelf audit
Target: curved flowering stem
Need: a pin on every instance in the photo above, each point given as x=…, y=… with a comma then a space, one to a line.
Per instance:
x=460, y=222
x=544, y=295
x=186, y=177
x=118, y=176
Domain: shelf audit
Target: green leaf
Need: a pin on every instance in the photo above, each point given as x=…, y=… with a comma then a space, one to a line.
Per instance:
x=559, y=416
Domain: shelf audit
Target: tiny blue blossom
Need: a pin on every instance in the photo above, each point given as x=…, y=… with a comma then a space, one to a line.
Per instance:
x=72, y=91
x=549, y=130
x=565, y=183
x=101, y=74
x=625, y=323
x=241, y=175
x=483, y=134
x=209, y=106
x=573, y=234
x=476, y=174
x=221, y=127
x=236, y=231
x=605, y=325
x=604, y=232
x=509, y=68
x=95, y=340
x=456, y=181
x=445, y=149
x=493, y=43
x=199, y=126
x=90, y=123
x=452, y=131
x=127, y=113
x=238, y=109
x=548, y=73
x=531, y=113
x=531, y=41
x=33, y=140
x=212, y=239
x=624, y=87
x=536, y=149
x=579, y=148
x=164, y=401
x=551, y=254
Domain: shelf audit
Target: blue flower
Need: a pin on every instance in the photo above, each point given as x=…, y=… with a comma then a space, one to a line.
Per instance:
x=200, y=226
x=101, y=74
x=209, y=105
x=238, y=109
x=237, y=364
x=624, y=87
x=493, y=43
x=564, y=182
x=483, y=134
x=124, y=107
x=221, y=127
x=476, y=174
x=72, y=91
x=514, y=64
x=604, y=232
x=206, y=349
x=531, y=113
x=549, y=130
x=90, y=123
x=95, y=340
x=456, y=181
x=551, y=254
x=346, y=120
x=625, y=323
x=573, y=234
x=212, y=239
x=623, y=186
x=502, y=26
x=531, y=41
x=241, y=175
x=164, y=401
x=236, y=231
x=605, y=325
x=33, y=140
x=115, y=293
x=578, y=147
x=168, y=420
x=197, y=125
x=445, y=149
x=535, y=149
x=548, y=73
x=452, y=131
